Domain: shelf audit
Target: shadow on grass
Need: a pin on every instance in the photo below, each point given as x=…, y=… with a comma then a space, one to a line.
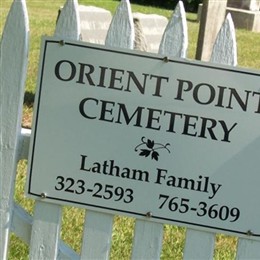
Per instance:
x=28, y=99
x=192, y=20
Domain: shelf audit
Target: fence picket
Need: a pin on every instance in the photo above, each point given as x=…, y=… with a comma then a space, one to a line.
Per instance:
x=45, y=231
x=13, y=67
x=224, y=52
x=47, y=217
x=148, y=235
x=121, y=31
x=66, y=253
x=97, y=236
x=204, y=241
x=248, y=249
x=97, y=240
x=175, y=38
x=225, y=47
x=147, y=240
x=22, y=227
x=22, y=223
x=68, y=24
x=23, y=145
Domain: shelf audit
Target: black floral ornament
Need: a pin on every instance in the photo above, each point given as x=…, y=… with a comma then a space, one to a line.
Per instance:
x=149, y=148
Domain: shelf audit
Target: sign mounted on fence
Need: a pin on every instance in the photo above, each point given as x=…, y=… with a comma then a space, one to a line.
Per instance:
x=133, y=133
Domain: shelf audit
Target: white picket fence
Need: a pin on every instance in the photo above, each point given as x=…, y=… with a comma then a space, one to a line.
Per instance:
x=42, y=231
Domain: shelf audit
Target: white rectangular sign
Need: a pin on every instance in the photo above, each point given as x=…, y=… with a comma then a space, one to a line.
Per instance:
x=133, y=133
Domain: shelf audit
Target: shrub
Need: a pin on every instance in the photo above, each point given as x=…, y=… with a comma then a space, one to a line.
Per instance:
x=190, y=5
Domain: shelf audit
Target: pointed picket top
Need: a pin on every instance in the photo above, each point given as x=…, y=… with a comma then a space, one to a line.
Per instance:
x=175, y=37
x=225, y=47
x=47, y=217
x=121, y=31
x=68, y=24
x=96, y=243
x=13, y=67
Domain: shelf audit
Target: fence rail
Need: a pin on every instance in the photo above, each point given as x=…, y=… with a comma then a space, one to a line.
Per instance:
x=42, y=231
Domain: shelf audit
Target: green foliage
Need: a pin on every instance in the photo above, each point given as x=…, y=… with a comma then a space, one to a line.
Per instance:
x=18, y=250
x=190, y=5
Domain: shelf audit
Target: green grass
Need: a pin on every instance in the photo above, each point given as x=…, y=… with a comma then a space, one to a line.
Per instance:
x=42, y=15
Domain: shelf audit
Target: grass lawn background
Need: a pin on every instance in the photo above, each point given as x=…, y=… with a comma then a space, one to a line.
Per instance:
x=42, y=16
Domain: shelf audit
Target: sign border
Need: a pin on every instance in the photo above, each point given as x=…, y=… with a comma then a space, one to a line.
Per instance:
x=50, y=40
